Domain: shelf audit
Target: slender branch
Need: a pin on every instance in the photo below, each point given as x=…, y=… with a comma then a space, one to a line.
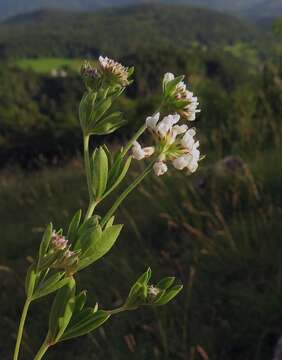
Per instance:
x=21, y=328
x=91, y=208
x=134, y=138
x=42, y=351
x=92, y=202
x=87, y=164
x=125, y=193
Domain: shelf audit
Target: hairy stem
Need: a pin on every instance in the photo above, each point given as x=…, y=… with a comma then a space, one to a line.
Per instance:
x=21, y=328
x=125, y=193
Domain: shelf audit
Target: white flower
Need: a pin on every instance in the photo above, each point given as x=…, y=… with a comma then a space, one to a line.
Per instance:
x=140, y=153
x=160, y=168
x=191, y=155
x=151, y=121
x=153, y=291
x=164, y=127
x=188, y=139
x=182, y=161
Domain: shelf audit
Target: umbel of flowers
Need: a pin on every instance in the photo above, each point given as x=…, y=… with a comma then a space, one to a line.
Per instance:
x=92, y=233
x=173, y=143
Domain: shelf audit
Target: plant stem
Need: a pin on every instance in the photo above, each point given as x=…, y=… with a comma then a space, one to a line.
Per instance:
x=21, y=328
x=87, y=164
x=126, y=192
x=92, y=203
x=134, y=138
x=91, y=207
x=42, y=351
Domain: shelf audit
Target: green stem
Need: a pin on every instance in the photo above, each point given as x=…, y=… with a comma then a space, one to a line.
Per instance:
x=91, y=208
x=126, y=192
x=42, y=351
x=92, y=202
x=21, y=328
x=87, y=164
x=139, y=133
x=134, y=138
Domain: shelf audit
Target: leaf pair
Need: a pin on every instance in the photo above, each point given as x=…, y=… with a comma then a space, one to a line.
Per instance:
x=69, y=318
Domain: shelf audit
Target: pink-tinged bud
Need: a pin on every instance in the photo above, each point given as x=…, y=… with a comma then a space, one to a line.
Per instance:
x=58, y=241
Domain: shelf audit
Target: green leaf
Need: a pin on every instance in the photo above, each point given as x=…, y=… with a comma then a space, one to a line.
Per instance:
x=100, y=172
x=47, y=236
x=86, y=324
x=85, y=109
x=87, y=233
x=49, y=260
x=169, y=295
x=165, y=283
x=73, y=227
x=144, y=278
x=109, y=124
x=100, y=111
x=50, y=285
x=130, y=71
x=88, y=238
x=80, y=300
x=171, y=85
x=61, y=311
x=30, y=280
x=118, y=175
x=101, y=246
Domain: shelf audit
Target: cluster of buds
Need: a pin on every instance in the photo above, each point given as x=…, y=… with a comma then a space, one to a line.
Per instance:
x=66, y=259
x=114, y=71
x=58, y=241
x=173, y=143
x=108, y=71
x=178, y=98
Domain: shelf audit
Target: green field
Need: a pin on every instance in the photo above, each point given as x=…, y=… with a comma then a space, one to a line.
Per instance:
x=46, y=65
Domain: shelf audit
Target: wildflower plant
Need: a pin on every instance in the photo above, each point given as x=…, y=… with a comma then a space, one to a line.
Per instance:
x=90, y=236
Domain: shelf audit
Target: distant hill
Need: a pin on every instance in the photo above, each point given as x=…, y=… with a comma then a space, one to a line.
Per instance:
x=254, y=9
x=121, y=31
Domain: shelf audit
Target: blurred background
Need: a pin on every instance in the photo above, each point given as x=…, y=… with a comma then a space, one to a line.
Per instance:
x=218, y=231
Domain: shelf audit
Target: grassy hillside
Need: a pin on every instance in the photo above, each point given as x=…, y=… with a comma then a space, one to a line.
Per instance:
x=121, y=31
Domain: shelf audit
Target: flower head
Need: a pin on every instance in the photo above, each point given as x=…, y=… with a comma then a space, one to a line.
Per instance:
x=114, y=71
x=178, y=98
x=174, y=143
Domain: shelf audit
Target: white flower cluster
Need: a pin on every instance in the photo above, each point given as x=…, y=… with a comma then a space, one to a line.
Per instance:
x=117, y=70
x=174, y=143
x=190, y=109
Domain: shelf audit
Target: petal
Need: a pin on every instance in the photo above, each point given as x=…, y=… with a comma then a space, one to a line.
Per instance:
x=151, y=121
x=148, y=151
x=168, y=77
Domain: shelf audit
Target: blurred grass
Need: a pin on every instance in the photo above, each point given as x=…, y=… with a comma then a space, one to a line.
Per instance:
x=218, y=232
